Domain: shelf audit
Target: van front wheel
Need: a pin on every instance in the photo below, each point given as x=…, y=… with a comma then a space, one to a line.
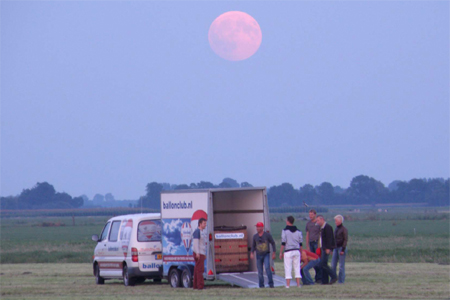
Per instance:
x=98, y=279
x=127, y=280
x=174, y=278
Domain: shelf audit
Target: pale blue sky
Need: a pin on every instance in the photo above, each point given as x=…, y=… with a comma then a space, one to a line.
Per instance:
x=107, y=96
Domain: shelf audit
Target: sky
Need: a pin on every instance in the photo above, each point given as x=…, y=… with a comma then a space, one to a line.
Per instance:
x=108, y=96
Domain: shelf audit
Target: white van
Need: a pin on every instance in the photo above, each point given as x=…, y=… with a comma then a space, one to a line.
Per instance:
x=129, y=248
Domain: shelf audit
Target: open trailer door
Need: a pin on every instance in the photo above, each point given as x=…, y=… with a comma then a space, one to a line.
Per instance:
x=250, y=279
x=238, y=210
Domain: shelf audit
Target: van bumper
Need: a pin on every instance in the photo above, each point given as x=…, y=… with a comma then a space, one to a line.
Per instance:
x=135, y=272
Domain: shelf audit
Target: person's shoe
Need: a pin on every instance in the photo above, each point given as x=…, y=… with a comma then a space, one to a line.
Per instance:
x=333, y=281
x=287, y=287
x=272, y=287
x=319, y=281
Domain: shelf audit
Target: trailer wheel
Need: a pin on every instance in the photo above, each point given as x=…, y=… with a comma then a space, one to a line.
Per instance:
x=186, y=278
x=98, y=279
x=127, y=280
x=175, y=278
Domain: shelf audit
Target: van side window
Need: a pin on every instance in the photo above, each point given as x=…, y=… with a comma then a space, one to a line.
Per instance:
x=105, y=231
x=114, y=231
x=149, y=231
x=126, y=229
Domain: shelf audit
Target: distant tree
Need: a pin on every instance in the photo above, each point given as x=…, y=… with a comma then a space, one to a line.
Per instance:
x=283, y=195
x=85, y=198
x=109, y=197
x=166, y=186
x=182, y=187
x=153, y=197
x=9, y=202
x=224, y=185
x=193, y=186
x=44, y=196
x=98, y=198
x=231, y=182
x=37, y=196
x=393, y=186
x=325, y=191
x=246, y=184
x=338, y=190
x=205, y=185
x=439, y=194
x=366, y=190
x=77, y=202
x=63, y=199
x=308, y=194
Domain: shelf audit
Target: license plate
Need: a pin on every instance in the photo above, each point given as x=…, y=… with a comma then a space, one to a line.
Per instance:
x=158, y=256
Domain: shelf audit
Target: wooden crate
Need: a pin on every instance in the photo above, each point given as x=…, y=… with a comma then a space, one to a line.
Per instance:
x=231, y=249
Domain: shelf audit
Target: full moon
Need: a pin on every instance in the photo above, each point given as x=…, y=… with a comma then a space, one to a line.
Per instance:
x=235, y=35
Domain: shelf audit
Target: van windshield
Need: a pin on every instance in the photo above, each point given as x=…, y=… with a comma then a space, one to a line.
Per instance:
x=149, y=231
x=105, y=231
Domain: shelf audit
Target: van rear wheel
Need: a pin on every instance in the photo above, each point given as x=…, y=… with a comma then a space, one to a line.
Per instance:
x=98, y=279
x=175, y=278
x=127, y=280
x=186, y=278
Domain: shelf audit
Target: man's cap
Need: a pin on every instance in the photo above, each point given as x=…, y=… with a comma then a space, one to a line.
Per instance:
x=260, y=224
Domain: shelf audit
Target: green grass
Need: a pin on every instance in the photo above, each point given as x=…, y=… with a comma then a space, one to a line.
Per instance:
x=363, y=281
x=25, y=240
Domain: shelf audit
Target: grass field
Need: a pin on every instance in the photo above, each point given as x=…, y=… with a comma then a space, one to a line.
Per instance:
x=404, y=254
x=383, y=239
x=364, y=280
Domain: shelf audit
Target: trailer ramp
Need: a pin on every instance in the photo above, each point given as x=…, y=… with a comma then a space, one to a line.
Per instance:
x=250, y=279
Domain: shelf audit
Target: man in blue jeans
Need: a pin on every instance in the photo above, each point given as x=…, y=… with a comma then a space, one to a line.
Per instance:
x=309, y=260
x=260, y=244
x=327, y=243
x=339, y=253
x=312, y=240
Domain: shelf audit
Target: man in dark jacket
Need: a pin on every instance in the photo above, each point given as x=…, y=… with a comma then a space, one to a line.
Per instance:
x=327, y=244
x=339, y=253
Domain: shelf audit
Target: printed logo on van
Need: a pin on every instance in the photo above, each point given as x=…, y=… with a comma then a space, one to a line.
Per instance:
x=177, y=205
x=150, y=266
x=125, y=234
x=186, y=235
x=229, y=236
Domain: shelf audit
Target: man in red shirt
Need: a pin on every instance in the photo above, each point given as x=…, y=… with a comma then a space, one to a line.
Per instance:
x=309, y=260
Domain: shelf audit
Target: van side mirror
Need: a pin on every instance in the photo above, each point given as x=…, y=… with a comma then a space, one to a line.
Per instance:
x=95, y=238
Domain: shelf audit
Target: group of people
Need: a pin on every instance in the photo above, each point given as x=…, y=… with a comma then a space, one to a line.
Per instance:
x=321, y=243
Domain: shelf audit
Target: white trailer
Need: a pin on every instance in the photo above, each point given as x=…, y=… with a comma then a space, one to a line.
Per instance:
x=180, y=211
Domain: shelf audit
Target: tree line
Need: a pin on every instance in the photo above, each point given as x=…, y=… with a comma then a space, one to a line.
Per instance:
x=42, y=196
x=363, y=190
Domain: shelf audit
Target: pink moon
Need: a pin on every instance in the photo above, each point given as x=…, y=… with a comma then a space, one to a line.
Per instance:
x=235, y=36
